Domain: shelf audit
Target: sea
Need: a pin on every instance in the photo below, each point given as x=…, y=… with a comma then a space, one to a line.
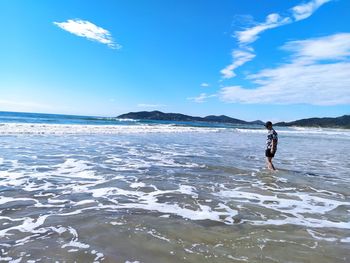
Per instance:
x=95, y=189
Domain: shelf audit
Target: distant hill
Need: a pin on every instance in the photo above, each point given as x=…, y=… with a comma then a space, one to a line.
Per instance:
x=339, y=122
x=161, y=116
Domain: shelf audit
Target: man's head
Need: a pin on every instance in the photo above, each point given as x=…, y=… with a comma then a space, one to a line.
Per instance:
x=268, y=125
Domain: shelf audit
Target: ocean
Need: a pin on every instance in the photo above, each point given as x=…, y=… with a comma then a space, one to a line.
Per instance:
x=93, y=189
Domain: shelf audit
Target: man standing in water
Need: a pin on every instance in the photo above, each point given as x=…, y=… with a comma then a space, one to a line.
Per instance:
x=271, y=145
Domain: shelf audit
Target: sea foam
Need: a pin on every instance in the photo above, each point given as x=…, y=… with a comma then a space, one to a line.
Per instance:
x=27, y=128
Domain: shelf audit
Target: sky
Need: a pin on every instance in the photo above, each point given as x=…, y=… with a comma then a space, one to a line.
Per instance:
x=248, y=59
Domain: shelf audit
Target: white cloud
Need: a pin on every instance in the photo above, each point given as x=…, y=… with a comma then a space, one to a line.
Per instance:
x=88, y=30
x=334, y=47
x=303, y=11
x=274, y=20
x=251, y=34
x=318, y=77
x=248, y=36
x=144, y=105
x=202, y=97
x=205, y=85
x=239, y=58
x=311, y=84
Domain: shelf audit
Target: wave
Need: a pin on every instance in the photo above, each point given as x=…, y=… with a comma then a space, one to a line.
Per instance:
x=301, y=131
x=38, y=128
x=133, y=126
x=25, y=117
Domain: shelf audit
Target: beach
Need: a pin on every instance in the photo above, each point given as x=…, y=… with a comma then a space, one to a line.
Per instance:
x=106, y=190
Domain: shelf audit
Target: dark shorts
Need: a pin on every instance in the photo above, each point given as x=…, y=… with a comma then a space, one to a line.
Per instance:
x=269, y=154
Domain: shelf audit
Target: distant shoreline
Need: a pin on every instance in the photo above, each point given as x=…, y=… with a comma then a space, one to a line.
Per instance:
x=342, y=122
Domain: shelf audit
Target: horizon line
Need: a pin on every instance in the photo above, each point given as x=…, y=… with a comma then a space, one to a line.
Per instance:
x=80, y=115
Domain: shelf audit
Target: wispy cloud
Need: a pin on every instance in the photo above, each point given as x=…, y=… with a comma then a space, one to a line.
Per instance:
x=202, y=97
x=145, y=105
x=334, y=47
x=249, y=35
x=303, y=11
x=318, y=74
x=205, y=85
x=89, y=30
x=239, y=57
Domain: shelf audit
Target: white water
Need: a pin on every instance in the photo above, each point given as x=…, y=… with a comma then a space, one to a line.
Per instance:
x=96, y=193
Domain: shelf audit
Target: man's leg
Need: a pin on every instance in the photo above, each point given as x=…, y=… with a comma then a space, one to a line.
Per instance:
x=269, y=163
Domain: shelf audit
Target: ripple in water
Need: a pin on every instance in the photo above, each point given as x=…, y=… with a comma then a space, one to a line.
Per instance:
x=172, y=197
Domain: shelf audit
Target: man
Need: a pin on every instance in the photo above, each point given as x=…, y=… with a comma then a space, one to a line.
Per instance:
x=271, y=145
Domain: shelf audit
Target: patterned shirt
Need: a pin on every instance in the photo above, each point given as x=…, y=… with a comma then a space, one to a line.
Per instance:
x=271, y=135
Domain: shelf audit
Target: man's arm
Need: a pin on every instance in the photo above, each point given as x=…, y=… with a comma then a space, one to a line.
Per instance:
x=273, y=145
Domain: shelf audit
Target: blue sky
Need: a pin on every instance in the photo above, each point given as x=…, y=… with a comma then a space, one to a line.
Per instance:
x=248, y=59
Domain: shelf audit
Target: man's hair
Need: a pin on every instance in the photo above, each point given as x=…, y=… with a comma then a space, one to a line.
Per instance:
x=268, y=123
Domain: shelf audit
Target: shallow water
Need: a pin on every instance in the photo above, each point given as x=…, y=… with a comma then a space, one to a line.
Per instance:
x=165, y=193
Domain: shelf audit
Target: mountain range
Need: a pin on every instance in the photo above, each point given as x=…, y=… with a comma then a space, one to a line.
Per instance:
x=161, y=116
x=338, y=122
